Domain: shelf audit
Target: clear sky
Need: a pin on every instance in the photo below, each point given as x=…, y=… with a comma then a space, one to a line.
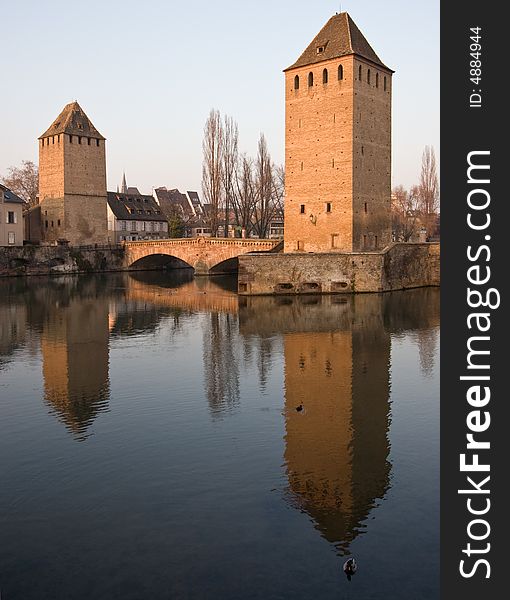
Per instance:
x=147, y=73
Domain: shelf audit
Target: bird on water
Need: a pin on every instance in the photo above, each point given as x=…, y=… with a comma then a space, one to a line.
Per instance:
x=350, y=567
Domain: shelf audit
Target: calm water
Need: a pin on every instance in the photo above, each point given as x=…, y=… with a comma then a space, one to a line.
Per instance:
x=150, y=446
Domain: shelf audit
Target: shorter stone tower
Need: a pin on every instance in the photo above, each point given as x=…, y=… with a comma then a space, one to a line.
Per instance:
x=337, y=144
x=72, y=180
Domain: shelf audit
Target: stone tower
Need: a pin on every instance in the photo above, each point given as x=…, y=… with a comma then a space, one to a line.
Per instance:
x=72, y=180
x=337, y=144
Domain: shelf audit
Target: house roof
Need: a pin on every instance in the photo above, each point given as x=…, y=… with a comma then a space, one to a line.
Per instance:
x=10, y=196
x=339, y=37
x=171, y=199
x=134, y=207
x=72, y=120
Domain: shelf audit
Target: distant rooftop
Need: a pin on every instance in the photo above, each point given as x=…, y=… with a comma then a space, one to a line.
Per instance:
x=10, y=196
x=339, y=37
x=74, y=121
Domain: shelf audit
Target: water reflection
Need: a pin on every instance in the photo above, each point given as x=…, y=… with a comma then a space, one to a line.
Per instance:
x=331, y=355
x=337, y=396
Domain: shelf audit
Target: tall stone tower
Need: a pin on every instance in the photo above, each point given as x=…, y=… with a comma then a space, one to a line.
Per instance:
x=337, y=144
x=72, y=180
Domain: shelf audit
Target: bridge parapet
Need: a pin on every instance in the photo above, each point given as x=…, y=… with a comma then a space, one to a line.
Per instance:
x=203, y=253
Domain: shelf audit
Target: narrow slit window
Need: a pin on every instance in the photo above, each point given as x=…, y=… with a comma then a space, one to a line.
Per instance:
x=368, y=76
x=296, y=82
x=325, y=76
x=302, y=209
x=340, y=72
x=377, y=80
x=385, y=84
x=328, y=207
x=359, y=73
x=310, y=79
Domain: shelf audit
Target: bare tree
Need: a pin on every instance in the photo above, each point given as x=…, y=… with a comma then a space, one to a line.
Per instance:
x=229, y=163
x=244, y=198
x=265, y=208
x=24, y=181
x=212, y=167
x=429, y=189
x=279, y=187
x=404, y=212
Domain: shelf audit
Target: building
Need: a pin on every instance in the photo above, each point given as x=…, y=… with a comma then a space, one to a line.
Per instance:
x=72, y=180
x=338, y=144
x=186, y=207
x=11, y=218
x=134, y=216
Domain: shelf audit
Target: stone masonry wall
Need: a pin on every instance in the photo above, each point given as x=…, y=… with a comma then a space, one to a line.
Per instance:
x=400, y=266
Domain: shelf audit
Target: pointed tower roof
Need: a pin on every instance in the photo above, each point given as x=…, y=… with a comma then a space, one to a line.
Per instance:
x=123, y=186
x=339, y=37
x=72, y=120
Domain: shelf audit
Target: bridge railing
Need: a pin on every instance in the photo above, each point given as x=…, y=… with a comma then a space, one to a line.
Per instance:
x=205, y=240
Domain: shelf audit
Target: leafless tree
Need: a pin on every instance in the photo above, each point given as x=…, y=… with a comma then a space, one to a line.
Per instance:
x=244, y=198
x=429, y=189
x=229, y=163
x=24, y=181
x=405, y=212
x=212, y=167
x=279, y=187
x=265, y=206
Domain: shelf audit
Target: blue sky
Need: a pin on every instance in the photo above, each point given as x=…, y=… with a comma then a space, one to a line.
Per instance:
x=147, y=74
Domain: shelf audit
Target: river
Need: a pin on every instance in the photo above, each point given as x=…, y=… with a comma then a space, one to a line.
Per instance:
x=163, y=438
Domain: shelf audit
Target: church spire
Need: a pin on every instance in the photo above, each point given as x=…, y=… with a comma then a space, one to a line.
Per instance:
x=123, y=187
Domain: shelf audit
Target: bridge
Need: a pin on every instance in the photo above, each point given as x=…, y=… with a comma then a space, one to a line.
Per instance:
x=205, y=255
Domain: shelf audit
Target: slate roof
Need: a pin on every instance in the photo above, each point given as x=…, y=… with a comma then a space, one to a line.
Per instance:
x=127, y=207
x=10, y=196
x=339, y=37
x=73, y=120
x=170, y=199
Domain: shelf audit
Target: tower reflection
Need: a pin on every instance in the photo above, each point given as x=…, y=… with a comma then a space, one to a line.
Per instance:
x=75, y=352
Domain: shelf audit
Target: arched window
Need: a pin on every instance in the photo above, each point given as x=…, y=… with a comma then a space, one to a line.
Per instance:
x=340, y=72
x=377, y=80
x=368, y=76
x=310, y=79
x=296, y=82
x=385, y=84
x=325, y=76
x=359, y=73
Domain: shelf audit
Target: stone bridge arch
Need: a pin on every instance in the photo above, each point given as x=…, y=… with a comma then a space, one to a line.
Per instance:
x=203, y=254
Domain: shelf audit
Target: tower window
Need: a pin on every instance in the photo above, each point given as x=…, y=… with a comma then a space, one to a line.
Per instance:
x=310, y=79
x=301, y=166
x=325, y=76
x=320, y=49
x=52, y=139
x=364, y=241
x=368, y=76
x=340, y=72
x=296, y=82
x=362, y=149
x=70, y=139
x=377, y=80
x=385, y=84
x=366, y=207
x=58, y=222
x=302, y=209
x=359, y=73
x=375, y=241
x=88, y=140
x=328, y=207
x=97, y=143
x=79, y=139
